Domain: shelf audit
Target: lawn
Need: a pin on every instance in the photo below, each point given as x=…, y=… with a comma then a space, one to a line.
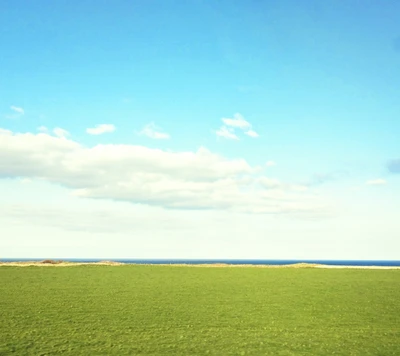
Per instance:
x=160, y=310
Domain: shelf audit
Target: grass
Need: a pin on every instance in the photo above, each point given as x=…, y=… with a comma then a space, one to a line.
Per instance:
x=158, y=310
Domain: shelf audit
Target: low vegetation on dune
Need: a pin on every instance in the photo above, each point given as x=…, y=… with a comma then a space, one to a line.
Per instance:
x=161, y=310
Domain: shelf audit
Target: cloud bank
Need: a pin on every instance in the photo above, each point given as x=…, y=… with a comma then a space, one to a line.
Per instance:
x=141, y=175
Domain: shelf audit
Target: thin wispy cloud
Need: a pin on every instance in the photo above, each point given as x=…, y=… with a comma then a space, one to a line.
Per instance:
x=17, y=112
x=227, y=133
x=43, y=129
x=237, y=122
x=318, y=179
x=100, y=129
x=378, y=181
x=270, y=163
x=61, y=133
x=17, y=109
x=252, y=133
x=153, y=131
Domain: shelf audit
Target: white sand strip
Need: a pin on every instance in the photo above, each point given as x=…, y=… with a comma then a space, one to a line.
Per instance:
x=210, y=265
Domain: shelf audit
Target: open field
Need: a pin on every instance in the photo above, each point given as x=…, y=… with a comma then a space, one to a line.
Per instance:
x=161, y=310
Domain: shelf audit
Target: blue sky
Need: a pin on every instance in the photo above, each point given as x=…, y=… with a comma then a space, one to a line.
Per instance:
x=272, y=127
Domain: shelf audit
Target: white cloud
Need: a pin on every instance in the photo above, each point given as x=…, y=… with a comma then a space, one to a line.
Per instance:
x=25, y=180
x=238, y=121
x=273, y=183
x=61, y=133
x=5, y=132
x=154, y=132
x=17, y=109
x=251, y=133
x=140, y=175
x=17, y=112
x=43, y=129
x=270, y=182
x=270, y=163
x=378, y=181
x=100, y=129
x=226, y=133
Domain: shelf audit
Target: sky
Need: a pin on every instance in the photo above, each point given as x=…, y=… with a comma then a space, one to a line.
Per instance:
x=200, y=129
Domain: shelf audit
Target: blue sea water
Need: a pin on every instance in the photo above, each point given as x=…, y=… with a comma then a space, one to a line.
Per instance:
x=392, y=263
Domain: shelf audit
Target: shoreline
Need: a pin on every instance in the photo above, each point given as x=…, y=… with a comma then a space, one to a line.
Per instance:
x=50, y=263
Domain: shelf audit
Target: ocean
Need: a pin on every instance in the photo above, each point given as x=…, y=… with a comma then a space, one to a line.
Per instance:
x=392, y=263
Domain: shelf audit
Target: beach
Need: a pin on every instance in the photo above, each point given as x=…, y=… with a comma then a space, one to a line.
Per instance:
x=51, y=263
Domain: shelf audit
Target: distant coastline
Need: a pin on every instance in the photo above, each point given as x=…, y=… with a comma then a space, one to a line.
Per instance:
x=354, y=264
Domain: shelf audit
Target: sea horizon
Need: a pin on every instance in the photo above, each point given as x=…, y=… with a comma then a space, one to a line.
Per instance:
x=332, y=262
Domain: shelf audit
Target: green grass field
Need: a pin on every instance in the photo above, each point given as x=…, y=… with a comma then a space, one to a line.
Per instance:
x=158, y=310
